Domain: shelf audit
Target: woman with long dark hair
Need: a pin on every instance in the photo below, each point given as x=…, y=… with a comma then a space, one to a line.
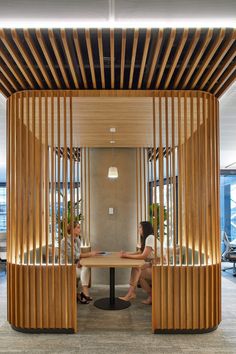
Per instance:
x=143, y=274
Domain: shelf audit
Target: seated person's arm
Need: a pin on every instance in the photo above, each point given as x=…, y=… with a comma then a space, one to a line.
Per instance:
x=89, y=254
x=133, y=253
x=147, y=250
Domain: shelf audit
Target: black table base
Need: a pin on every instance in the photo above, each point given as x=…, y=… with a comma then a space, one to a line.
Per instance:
x=112, y=302
x=105, y=304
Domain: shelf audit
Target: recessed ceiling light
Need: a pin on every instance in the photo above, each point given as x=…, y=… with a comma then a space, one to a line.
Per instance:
x=112, y=141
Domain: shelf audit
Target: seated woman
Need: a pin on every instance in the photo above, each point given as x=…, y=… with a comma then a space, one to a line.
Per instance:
x=82, y=273
x=144, y=273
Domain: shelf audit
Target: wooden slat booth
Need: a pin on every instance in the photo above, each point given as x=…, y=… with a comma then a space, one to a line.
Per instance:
x=48, y=161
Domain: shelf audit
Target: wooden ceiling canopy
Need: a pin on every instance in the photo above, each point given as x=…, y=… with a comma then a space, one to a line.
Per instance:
x=169, y=59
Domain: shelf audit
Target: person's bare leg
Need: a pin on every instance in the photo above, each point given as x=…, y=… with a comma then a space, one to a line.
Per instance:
x=146, y=274
x=85, y=290
x=135, y=274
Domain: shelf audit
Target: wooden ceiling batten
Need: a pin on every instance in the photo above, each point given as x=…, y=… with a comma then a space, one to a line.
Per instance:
x=227, y=84
x=166, y=57
x=155, y=56
x=227, y=45
x=112, y=57
x=16, y=57
x=187, y=57
x=90, y=56
x=198, y=57
x=3, y=90
x=176, y=57
x=144, y=58
x=135, y=59
x=225, y=63
x=225, y=77
x=101, y=56
x=47, y=56
x=14, y=70
x=58, y=56
x=10, y=77
x=6, y=84
x=208, y=58
x=26, y=57
x=134, y=50
x=122, y=62
x=79, y=56
x=37, y=56
x=69, y=57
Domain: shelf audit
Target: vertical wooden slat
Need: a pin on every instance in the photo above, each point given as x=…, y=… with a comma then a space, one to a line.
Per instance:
x=89, y=197
x=167, y=177
x=180, y=180
x=174, y=178
x=154, y=177
x=137, y=198
x=59, y=177
x=20, y=220
x=71, y=183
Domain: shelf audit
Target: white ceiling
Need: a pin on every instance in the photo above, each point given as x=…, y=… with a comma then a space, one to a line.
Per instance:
x=155, y=13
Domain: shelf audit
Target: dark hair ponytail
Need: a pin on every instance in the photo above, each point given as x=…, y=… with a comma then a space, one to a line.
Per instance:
x=147, y=230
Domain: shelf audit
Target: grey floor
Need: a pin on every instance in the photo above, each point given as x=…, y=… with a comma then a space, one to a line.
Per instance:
x=127, y=331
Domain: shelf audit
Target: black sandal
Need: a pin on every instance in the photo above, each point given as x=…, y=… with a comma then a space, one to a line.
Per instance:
x=82, y=300
x=85, y=297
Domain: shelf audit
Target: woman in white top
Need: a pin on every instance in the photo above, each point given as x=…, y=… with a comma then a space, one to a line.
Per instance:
x=143, y=274
x=82, y=273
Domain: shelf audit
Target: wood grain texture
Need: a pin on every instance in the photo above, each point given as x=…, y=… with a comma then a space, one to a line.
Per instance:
x=113, y=58
x=184, y=133
x=34, y=305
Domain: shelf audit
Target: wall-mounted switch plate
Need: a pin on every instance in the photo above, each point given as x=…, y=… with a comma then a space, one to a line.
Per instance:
x=110, y=211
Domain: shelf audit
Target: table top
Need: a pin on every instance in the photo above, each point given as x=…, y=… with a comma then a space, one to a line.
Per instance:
x=111, y=260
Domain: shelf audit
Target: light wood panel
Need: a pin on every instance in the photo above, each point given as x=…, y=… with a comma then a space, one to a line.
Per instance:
x=33, y=307
x=185, y=299
x=112, y=259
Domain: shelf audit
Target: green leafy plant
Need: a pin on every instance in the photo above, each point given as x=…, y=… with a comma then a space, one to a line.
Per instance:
x=154, y=209
x=66, y=220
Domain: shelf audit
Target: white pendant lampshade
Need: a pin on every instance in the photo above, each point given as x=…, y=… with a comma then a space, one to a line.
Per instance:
x=112, y=172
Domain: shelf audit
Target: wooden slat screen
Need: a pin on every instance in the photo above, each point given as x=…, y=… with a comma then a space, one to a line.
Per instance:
x=47, y=169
